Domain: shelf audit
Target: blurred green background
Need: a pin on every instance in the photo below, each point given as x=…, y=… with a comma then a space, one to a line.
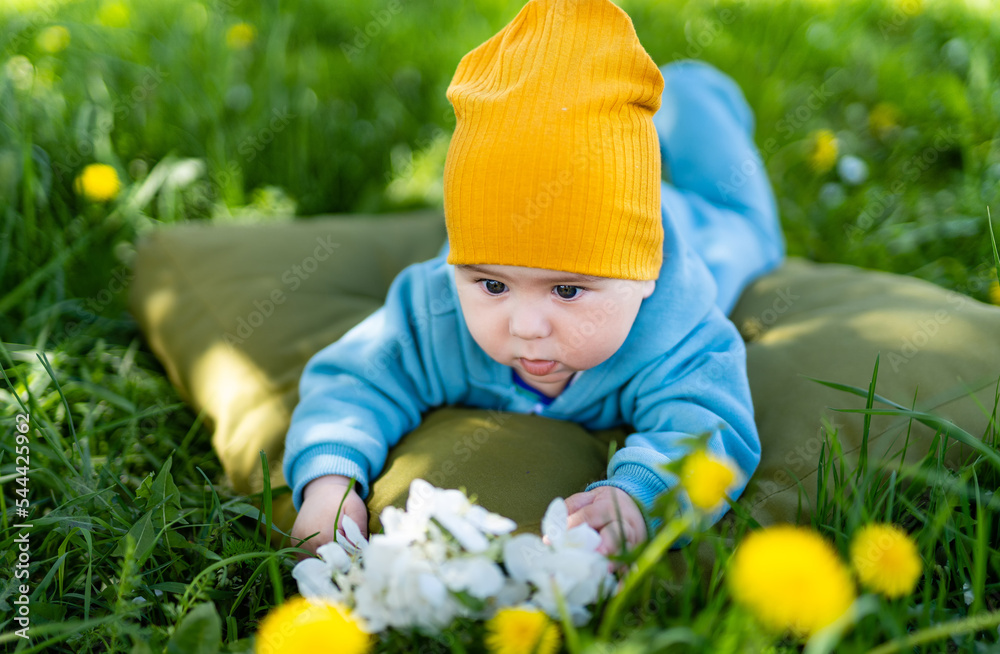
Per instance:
x=878, y=122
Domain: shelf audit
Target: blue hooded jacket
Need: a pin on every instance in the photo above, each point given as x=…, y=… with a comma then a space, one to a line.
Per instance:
x=680, y=372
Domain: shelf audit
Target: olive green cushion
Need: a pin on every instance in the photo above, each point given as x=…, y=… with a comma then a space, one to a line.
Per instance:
x=234, y=312
x=936, y=348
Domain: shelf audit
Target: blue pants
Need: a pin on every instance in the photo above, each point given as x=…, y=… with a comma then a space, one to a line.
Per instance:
x=719, y=197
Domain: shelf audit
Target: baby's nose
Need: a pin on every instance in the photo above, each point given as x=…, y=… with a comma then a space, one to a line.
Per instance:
x=529, y=322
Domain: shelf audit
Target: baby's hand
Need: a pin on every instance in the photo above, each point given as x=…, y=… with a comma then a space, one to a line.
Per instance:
x=597, y=509
x=320, y=501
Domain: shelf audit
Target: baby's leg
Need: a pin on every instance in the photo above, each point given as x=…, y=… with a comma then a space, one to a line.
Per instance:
x=719, y=196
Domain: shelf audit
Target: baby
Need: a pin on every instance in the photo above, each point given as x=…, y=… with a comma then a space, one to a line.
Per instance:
x=571, y=270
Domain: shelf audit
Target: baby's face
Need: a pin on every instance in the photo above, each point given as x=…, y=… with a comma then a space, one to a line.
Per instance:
x=547, y=324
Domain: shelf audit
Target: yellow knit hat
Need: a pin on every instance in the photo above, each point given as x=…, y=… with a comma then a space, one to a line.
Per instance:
x=555, y=162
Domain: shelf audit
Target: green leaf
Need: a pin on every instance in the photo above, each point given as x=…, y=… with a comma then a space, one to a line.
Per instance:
x=200, y=632
x=145, y=488
x=161, y=490
x=174, y=539
x=164, y=489
x=144, y=535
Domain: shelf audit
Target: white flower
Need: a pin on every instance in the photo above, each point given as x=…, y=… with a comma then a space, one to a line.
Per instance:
x=513, y=593
x=351, y=540
x=315, y=581
x=555, y=527
x=465, y=533
x=570, y=563
x=467, y=523
x=443, y=550
x=402, y=526
x=852, y=170
x=477, y=575
x=335, y=557
x=402, y=588
x=331, y=576
x=490, y=523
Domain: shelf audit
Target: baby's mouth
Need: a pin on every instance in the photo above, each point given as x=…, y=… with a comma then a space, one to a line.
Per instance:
x=537, y=367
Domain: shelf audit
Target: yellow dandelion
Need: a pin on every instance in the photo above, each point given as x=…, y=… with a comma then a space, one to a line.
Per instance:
x=823, y=150
x=706, y=479
x=883, y=119
x=98, y=183
x=53, y=39
x=791, y=578
x=886, y=559
x=299, y=626
x=241, y=36
x=521, y=630
x=114, y=14
x=995, y=292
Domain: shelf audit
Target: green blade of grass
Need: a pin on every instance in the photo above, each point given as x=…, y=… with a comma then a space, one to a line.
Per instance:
x=970, y=624
x=981, y=556
x=942, y=425
x=572, y=637
x=869, y=402
x=993, y=240
x=651, y=554
x=24, y=288
x=85, y=449
x=266, y=494
x=61, y=629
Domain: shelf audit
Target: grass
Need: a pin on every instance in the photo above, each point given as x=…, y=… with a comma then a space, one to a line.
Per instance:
x=138, y=545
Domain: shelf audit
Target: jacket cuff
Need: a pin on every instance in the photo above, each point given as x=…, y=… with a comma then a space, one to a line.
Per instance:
x=328, y=459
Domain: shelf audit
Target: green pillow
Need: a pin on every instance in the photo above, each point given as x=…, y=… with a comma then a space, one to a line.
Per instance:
x=234, y=311
x=830, y=322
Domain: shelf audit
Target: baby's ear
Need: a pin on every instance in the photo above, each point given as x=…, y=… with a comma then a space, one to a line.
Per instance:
x=648, y=287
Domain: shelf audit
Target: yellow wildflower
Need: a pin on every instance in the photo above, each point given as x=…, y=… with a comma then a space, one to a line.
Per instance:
x=886, y=559
x=823, y=150
x=995, y=292
x=241, y=36
x=53, y=39
x=706, y=479
x=114, y=14
x=791, y=578
x=883, y=118
x=300, y=625
x=98, y=183
x=521, y=630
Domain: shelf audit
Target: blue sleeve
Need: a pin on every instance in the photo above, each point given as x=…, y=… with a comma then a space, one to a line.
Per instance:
x=700, y=386
x=361, y=394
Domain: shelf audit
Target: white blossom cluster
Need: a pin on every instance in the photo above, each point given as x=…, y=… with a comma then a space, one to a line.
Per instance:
x=444, y=557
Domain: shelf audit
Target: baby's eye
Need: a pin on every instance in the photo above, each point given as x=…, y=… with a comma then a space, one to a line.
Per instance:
x=567, y=292
x=493, y=287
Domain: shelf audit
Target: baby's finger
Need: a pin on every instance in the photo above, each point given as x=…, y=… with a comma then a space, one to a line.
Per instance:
x=589, y=514
x=577, y=501
x=610, y=540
